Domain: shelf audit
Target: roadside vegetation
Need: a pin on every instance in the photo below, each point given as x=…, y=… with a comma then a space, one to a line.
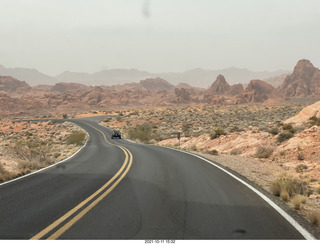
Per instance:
x=28, y=146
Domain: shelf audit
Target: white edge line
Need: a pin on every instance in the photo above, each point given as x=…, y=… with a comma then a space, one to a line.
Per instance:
x=306, y=234
x=42, y=169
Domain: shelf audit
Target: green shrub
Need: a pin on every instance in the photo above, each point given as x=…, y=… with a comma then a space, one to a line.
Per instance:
x=274, y=131
x=263, y=152
x=217, y=133
x=284, y=136
x=143, y=133
x=76, y=137
x=314, y=121
x=287, y=127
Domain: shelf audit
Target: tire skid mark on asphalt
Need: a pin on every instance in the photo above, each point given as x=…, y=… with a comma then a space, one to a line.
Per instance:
x=76, y=213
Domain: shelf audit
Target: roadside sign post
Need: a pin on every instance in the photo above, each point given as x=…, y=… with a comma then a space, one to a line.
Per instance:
x=178, y=136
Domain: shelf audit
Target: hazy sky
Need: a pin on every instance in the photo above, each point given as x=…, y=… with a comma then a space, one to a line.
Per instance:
x=158, y=35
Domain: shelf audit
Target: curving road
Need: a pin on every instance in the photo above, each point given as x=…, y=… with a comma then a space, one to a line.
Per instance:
x=114, y=189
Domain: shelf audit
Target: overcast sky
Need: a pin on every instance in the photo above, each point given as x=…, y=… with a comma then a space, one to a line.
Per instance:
x=158, y=35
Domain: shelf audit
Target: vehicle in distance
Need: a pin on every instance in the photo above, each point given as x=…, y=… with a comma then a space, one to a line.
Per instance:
x=116, y=133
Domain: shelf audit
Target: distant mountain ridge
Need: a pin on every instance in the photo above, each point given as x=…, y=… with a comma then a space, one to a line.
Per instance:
x=17, y=97
x=31, y=76
x=196, y=77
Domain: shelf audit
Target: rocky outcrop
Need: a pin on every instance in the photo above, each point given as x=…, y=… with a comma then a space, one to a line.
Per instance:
x=305, y=114
x=156, y=84
x=183, y=95
x=64, y=87
x=257, y=91
x=303, y=82
x=235, y=90
x=10, y=84
x=218, y=87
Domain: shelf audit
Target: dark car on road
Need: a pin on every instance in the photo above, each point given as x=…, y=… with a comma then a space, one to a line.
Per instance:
x=116, y=133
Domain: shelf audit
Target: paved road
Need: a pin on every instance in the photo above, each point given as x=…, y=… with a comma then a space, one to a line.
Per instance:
x=114, y=189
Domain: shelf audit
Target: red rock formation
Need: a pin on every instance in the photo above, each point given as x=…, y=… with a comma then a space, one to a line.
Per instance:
x=64, y=87
x=219, y=87
x=257, y=91
x=156, y=84
x=235, y=90
x=303, y=82
x=183, y=95
x=10, y=84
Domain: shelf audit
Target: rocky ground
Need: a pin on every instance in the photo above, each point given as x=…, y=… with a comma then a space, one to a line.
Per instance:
x=29, y=146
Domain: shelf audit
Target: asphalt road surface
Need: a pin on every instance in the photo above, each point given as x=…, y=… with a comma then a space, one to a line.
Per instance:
x=114, y=189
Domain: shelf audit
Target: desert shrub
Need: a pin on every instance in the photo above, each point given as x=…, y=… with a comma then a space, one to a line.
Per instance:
x=193, y=148
x=284, y=195
x=106, y=120
x=217, y=133
x=274, y=131
x=287, y=127
x=314, y=121
x=297, y=200
x=284, y=136
x=301, y=167
x=143, y=133
x=213, y=152
x=65, y=116
x=5, y=175
x=76, y=138
x=31, y=150
x=298, y=129
x=300, y=156
x=314, y=218
x=282, y=153
x=318, y=190
x=263, y=152
x=235, y=152
x=290, y=186
x=186, y=129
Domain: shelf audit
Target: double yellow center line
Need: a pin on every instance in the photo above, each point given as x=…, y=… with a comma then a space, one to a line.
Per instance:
x=112, y=183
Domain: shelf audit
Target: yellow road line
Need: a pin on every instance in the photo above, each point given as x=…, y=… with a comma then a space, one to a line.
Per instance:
x=79, y=206
x=59, y=232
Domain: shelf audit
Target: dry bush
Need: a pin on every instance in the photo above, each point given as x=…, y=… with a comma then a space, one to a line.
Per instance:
x=235, y=151
x=213, y=152
x=76, y=137
x=314, y=218
x=301, y=167
x=217, y=133
x=284, y=195
x=31, y=150
x=5, y=175
x=263, y=152
x=289, y=185
x=297, y=200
